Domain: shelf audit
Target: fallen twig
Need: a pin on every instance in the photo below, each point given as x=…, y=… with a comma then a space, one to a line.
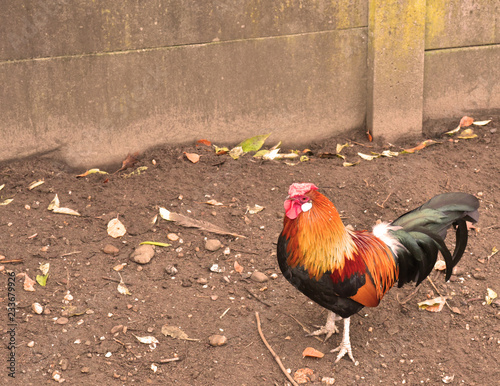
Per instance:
x=168, y=360
x=276, y=357
x=71, y=253
x=305, y=328
x=13, y=261
x=408, y=298
x=383, y=202
x=256, y=297
x=115, y=280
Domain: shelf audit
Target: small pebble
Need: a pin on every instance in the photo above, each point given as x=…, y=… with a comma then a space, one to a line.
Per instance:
x=37, y=308
x=172, y=237
x=85, y=370
x=217, y=340
x=202, y=281
x=479, y=276
x=143, y=254
x=212, y=245
x=110, y=249
x=259, y=277
x=171, y=270
x=31, y=344
x=64, y=364
x=62, y=320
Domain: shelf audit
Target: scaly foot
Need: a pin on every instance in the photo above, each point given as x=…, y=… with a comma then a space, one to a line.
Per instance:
x=345, y=345
x=329, y=328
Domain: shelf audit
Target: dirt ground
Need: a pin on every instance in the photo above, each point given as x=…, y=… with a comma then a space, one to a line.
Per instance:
x=80, y=335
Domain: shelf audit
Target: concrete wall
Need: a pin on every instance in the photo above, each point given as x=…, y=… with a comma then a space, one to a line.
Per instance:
x=93, y=80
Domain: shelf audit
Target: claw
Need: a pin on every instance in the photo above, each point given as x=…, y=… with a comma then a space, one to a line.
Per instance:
x=345, y=345
x=329, y=328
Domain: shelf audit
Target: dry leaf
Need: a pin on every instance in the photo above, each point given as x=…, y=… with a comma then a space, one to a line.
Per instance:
x=205, y=142
x=368, y=157
x=490, y=295
x=44, y=268
x=420, y=146
x=303, y=375
x=220, y=150
x=340, y=147
x=122, y=288
x=129, y=162
x=116, y=228
x=34, y=184
x=312, y=352
x=370, y=138
x=91, y=171
x=147, y=339
x=54, y=203
x=66, y=211
x=466, y=121
x=29, y=284
x=255, y=209
x=467, y=134
x=347, y=164
x=433, y=305
x=193, y=157
x=175, y=332
x=481, y=123
x=7, y=201
x=192, y=223
x=2, y=186
x=236, y=152
x=237, y=267
x=451, y=132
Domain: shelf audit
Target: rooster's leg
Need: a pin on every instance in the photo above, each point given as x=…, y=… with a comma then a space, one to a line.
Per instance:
x=345, y=345
x=329, y=328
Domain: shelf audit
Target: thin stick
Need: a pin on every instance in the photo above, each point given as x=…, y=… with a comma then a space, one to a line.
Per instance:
x=305, y=328
x=168, y=360
x=256, y=297
x=382, y=205
x=408, y=298
x=70, y=253
x=445, y=301
x=115, y=280
x=276, y=357
x=13, y=261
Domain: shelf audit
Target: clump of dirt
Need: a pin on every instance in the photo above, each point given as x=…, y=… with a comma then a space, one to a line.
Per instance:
x=199, y=301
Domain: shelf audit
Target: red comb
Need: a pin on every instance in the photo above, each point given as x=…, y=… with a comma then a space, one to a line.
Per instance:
x=301, y=189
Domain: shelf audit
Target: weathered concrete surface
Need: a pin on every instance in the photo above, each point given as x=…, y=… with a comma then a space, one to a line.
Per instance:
x=461, y=81
x=395, y=68
x=96, y=108
x=34, y=29
x=461, y=23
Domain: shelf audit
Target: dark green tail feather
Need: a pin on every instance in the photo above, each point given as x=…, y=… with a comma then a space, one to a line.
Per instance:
x=424, y=229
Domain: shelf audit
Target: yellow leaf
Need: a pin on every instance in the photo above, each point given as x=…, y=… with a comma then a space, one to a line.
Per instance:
x=7, y=201
x=368, y=157
x=467, y=134
x=347, y=164
x=340, y=147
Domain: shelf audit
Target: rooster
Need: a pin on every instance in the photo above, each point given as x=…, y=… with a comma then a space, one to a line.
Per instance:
x=344, y=271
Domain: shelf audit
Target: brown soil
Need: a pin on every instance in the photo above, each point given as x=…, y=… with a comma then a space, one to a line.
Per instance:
x=394, y=343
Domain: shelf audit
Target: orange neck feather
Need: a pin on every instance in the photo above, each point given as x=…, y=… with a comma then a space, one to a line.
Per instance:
x=318, y=240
